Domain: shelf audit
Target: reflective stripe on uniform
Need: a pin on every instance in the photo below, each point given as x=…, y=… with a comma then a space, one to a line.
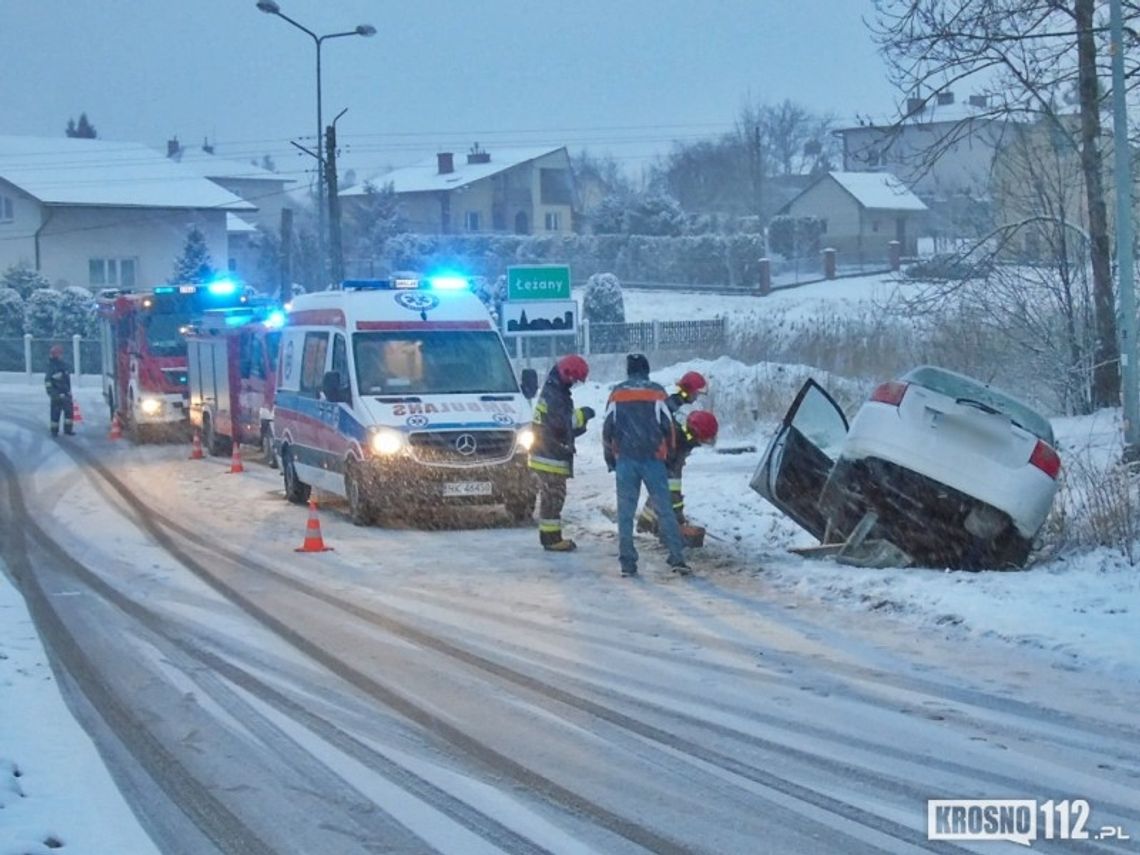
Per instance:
x=677, y=505
x=675, y=485
x=548, y=464
x=579, y=418
x=550, y=526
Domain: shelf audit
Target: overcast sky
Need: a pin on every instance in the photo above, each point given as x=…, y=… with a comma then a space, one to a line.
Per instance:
x=624, y=77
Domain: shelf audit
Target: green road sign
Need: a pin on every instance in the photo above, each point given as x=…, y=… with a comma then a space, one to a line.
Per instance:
x=538, y=282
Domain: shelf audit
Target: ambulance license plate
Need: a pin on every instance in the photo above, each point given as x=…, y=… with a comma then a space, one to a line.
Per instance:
x=467, y=488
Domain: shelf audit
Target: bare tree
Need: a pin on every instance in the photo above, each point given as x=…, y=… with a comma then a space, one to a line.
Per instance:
x=1027, y=56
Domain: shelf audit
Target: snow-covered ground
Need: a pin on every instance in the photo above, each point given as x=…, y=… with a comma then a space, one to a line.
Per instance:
x=1075, y=612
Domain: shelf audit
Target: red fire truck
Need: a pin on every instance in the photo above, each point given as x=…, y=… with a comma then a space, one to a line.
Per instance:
x=144, y=352
x=232, y=368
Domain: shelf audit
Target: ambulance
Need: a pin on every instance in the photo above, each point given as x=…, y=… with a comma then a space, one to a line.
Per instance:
x=398, y=395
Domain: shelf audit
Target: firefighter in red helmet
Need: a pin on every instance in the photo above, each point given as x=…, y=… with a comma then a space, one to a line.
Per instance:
x=556, y=423
x=57, y=383
x=690, y=387
x=699, y=428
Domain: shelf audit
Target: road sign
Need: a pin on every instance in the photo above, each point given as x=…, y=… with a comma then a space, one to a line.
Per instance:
x=540, y=317
x=538, y=282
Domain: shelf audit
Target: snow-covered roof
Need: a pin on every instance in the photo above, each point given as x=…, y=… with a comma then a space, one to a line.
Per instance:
x=878, y=190
x=68, y=171
x=425, y=176
x=211, y=165
x=236, y=225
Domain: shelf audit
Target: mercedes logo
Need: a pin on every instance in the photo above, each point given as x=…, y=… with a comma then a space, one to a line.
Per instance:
x=465, y=444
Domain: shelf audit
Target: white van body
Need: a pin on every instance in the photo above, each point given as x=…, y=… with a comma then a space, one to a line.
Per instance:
x=400, y=399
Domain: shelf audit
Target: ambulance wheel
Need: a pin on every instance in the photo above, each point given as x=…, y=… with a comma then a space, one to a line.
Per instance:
x=267, y=450
x=361, y=508
x=296, y=490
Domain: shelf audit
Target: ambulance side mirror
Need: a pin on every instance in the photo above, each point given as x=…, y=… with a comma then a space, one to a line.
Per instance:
x=528, y=382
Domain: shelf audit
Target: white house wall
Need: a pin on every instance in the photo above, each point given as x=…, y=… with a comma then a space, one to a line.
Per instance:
x=17, y=238
x=964, y=166
x=269, y=196
x=72, y=236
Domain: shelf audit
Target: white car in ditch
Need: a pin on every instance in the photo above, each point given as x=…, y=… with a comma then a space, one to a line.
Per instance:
x=947, y=469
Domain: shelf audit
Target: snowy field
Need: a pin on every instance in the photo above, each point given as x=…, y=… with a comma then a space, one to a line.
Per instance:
x=1074, y=613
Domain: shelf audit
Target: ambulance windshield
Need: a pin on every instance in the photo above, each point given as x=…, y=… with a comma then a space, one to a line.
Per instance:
x=432, y=362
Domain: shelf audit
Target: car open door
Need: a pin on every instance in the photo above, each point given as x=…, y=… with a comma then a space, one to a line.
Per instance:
x=796, y=464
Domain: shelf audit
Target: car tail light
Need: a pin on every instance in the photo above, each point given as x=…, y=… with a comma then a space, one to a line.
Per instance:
x=1046, y=459
x=890, y=392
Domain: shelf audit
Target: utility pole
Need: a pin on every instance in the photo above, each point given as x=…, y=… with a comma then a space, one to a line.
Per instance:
x=286, y=273
x=1122, y=162
x=336, y=244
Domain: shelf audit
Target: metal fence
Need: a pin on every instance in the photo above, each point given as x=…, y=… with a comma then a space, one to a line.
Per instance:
x=645, y=336
x=30, y=355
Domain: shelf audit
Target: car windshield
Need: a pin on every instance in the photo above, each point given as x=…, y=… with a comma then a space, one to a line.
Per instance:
x=960, y=387
x=432, y=362
x=164, y=336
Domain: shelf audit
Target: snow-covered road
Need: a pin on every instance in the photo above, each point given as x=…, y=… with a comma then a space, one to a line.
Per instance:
x=459, y=690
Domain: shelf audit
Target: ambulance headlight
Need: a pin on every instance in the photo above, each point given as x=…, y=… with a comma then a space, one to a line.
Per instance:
x=150, y=406
x=524, y=439
x=387, y=442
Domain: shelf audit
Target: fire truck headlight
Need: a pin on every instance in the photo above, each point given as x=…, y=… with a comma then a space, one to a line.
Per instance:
x=524, y=439
x=150, y=406
x=387, y=442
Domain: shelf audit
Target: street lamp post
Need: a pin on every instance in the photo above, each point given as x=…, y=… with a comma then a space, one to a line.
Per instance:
x=270, y=7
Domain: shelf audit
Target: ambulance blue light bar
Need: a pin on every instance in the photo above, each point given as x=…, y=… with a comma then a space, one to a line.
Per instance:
x=410, y=282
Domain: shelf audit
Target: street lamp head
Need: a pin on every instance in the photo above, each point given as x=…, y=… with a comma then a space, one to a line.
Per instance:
x=269, y=7
x=364, y=29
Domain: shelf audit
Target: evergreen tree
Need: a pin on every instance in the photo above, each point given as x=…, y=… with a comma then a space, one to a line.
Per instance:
x=194, y=264
x=603, y=301
x=76, y=315
x=41, y=312
x=82, y=130
x=23, y=279
x=11, y=313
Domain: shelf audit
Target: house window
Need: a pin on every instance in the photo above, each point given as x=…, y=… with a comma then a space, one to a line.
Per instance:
x=112, y=272
x=823, y=226
x=874, y=225
x=6, y=209
x=553, y=221
x=471, y=221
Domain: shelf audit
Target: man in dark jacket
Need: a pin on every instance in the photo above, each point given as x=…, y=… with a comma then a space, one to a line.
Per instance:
x=57, y=383
x=638, y=434
x=556, y=422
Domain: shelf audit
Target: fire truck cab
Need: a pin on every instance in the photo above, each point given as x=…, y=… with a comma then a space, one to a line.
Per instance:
x=399, y=395
x=232, y=374
x=144, y=351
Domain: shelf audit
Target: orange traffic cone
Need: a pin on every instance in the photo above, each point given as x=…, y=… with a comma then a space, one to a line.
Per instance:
x=313, y=540
x=116, y=428
x=235, y=460
x=76, y=416
x=196, y=452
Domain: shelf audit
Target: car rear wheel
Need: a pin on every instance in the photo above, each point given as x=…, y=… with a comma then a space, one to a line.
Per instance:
x=296, y=490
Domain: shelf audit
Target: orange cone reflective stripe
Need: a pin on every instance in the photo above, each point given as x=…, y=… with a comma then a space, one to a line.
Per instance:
x=313, y=540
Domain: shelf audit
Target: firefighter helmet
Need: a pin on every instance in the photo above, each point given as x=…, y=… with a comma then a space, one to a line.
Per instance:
x=693, y=383
x=703, y=425
x=572, y=369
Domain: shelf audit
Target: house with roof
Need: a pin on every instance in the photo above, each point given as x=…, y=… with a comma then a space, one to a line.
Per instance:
x=943, y=148
x=101, y=214
x=259, y=186
x=509, y=191
x=862, y=212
